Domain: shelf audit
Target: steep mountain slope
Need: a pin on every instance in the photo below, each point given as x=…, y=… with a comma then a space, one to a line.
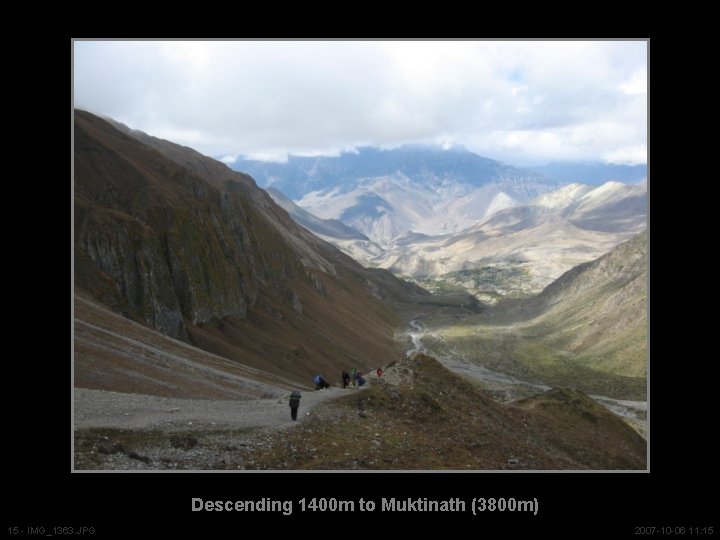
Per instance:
x=314, y=251
x=116, y=354
x=598, y=310
x=588, y=329
x=225, y=270
x=348, y=240
x=321, y=227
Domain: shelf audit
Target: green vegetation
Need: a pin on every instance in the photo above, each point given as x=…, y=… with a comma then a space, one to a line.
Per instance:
x=587, y=330
x=489, y=284
x=538, y=355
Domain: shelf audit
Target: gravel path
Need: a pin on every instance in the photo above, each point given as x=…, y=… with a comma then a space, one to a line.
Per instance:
x=103, y=409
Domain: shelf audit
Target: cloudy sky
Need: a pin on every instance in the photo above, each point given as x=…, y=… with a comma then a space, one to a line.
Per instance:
x=525, y=103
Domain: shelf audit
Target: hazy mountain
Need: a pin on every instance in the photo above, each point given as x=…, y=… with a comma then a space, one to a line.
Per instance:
x=422, y=163
x=426, y=189
x=386, y=193
x=347, y=239
x=522, y=249
x=592, y=172
x=322, y=227
x=182, y=244
x=503, y=231
x=387, y=207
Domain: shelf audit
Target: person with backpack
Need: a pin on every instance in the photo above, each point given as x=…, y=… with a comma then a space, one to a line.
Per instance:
x=345, y=379
x=320, y=383
x=353, y=372
x=294, y=404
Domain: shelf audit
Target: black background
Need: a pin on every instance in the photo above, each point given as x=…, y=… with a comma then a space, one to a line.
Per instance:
x=678, y=492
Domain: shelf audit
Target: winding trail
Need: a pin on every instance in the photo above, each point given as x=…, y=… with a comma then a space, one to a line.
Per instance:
x=416, y=338
x=104, y=409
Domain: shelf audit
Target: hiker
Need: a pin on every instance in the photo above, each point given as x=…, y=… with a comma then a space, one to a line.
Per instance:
x=294, y=404
x=353, y=373
x=345, y=378
x=359, y=379
x=320, y=383
x=379, y=372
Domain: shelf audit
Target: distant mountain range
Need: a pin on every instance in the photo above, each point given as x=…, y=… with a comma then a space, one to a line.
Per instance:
x=386, y=193
x=423, y=164
x=558, y=230
x=389, y=195
x=428, y=211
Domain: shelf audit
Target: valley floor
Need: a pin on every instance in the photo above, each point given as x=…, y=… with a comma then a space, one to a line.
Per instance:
x=506, y=387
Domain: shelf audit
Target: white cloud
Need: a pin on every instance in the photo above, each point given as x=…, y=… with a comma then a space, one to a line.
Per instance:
x=517, y=90
x=629, y=155
x=265, y=98
x=636, y=84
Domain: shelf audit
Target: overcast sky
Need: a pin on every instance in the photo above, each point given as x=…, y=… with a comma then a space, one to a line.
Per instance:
x=525, y=103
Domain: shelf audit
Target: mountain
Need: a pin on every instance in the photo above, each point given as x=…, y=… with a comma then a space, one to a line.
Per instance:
x=598, y=310
x=592, y=172
x=586, y=330
x=385, y=208
x=348, y=240
x=482, y=225
x=423, y=163
x=386, y=193
x=321, y=227
x=522, y=249
x=188, y=248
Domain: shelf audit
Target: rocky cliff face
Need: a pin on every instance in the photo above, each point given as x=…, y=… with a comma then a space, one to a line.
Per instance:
x=173, y=247
x=162, y=245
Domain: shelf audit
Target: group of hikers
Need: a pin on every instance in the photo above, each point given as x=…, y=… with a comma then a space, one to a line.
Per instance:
x=354, y=376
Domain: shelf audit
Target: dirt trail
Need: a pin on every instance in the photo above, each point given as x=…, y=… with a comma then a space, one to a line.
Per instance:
x=103, y=409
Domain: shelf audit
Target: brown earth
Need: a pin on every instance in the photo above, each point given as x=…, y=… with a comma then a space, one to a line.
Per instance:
x=226, y=271
x=418, y=416
x=437, y=420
